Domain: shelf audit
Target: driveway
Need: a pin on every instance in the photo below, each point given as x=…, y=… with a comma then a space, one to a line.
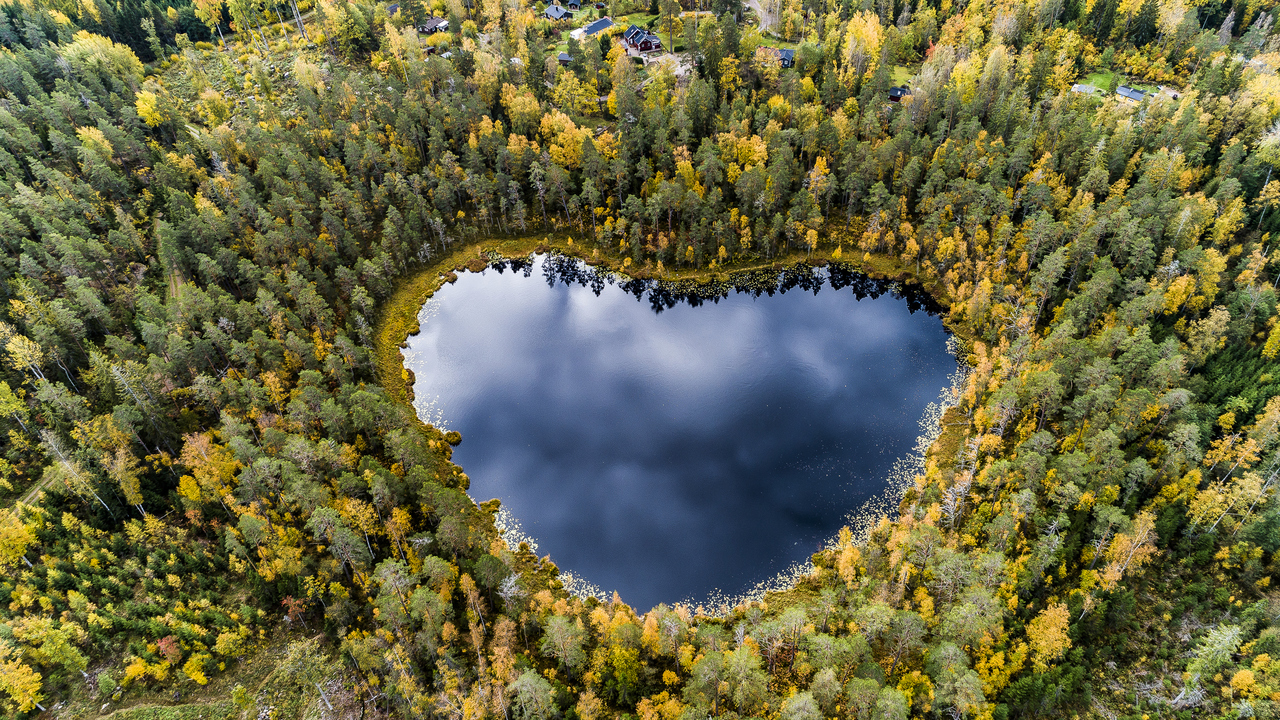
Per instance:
x=766, y=20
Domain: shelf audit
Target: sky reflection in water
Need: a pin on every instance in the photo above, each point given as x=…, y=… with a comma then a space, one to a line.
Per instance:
x=668, y=455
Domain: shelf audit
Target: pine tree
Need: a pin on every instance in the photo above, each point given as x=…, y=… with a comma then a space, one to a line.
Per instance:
x=1144, y=25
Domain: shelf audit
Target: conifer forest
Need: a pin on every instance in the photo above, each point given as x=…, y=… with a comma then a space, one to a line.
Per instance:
x=219, y=220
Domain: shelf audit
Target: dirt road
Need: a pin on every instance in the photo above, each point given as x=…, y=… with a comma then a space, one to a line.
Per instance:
x=766, y=20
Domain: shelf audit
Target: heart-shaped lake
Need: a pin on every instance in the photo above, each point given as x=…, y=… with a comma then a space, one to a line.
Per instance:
x=703, y=447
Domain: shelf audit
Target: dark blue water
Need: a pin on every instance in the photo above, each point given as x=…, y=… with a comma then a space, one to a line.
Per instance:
x=669, y=454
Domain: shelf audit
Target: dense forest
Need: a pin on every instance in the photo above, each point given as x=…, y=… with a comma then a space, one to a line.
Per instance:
x=216, y=494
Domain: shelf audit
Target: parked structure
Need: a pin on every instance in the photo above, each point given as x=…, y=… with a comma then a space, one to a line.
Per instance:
x=434, y=25
x=897, y=93
x=557, y=12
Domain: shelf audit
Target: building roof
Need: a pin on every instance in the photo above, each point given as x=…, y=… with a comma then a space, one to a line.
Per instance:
x=636, y=34
x=899, y=92
x=565, y=57
x=393, y=9
x=597, y=26
x=1081, y=88
x=1129, y=93
x=783, y=54
x=556, y=12
x=433, y=24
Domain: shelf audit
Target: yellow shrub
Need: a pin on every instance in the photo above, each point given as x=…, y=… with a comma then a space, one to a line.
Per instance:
x=135, y=669
x=195, y=668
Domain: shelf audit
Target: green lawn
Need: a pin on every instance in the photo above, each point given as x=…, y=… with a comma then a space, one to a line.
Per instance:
x=1100, y=79
x=775, y=41
x=636, y=18
x=901, y=75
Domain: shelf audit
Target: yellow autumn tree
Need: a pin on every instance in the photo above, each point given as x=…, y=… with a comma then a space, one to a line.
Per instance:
x=212, y=469
x=19, y=681
x=148, y=107
x=1048, y=635
x=94, y=52
x=15, y=536
x=522, y=107
x=862, y=39
x=1130, y=551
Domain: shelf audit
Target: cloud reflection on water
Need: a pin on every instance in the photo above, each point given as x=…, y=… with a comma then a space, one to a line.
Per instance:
x=667, y=455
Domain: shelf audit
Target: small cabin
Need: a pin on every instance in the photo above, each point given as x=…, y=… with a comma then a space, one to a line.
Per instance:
x=573, y=5
x=557, y=12
x=434, y=25
x=897, y=93
x=1129, y=94
x=565, y=58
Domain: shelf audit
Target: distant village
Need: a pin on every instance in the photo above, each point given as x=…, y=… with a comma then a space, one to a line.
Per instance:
x=643, y=42
x=639, y=41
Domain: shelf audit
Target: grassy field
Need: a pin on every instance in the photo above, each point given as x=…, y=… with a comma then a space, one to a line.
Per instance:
x=901, y=74
x=1100, y=79
x=775, y=41
x=636, y=18
x=224, y=710
x=255, y=672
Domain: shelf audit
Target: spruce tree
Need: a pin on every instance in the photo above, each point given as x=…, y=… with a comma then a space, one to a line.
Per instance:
x=1144, y=25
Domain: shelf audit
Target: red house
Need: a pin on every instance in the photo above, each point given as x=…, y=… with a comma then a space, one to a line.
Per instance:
x=638, y=38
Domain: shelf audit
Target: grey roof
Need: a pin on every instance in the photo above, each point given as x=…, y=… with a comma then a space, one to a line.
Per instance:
x=1127, y=92
x=565, y=57
x=637, y=34
x=556, y=12
x=597, y=26
x=786, y=55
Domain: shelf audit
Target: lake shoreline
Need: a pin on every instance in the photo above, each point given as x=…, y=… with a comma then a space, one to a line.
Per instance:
x=808, y=386
x=397, y=320
x=397, y=316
